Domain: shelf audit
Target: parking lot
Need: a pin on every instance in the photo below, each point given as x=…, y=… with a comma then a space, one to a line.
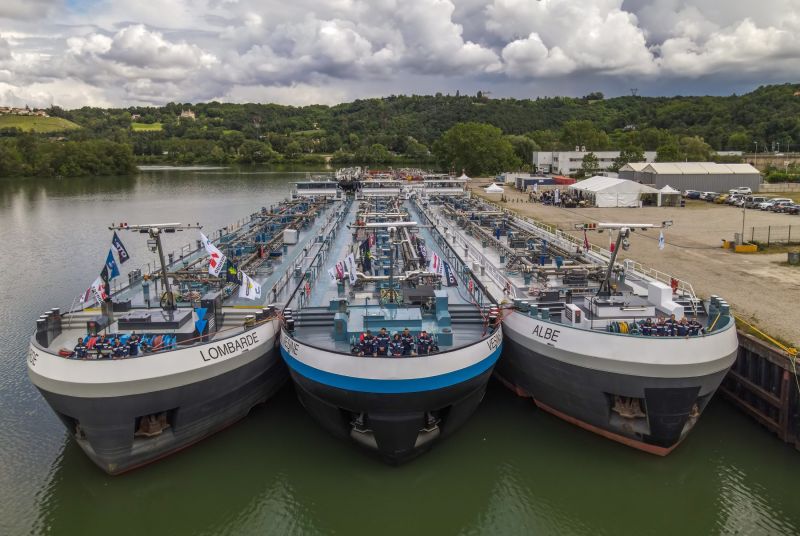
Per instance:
x=760, y=287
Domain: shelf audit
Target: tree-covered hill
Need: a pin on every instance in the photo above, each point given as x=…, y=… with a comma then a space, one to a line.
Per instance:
x=383, y=129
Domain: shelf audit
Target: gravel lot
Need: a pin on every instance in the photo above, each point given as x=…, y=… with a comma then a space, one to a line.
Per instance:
x=760, y=287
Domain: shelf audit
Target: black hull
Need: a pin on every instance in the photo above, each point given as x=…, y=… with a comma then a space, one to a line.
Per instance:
x=395, y=426
x=585, y=397
x=195, y=411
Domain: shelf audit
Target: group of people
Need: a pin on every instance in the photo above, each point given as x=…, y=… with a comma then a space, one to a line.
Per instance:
x=108, y=348
x=671, y=327
x=399, y=345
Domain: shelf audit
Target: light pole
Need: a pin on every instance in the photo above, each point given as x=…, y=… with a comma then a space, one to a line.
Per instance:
x=755, y=155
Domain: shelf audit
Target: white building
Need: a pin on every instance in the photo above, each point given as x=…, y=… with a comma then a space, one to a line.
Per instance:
x=568, y=162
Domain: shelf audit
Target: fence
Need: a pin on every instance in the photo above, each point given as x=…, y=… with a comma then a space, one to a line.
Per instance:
x=774, y=234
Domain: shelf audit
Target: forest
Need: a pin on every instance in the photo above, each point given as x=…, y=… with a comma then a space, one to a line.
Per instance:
x=399, y=128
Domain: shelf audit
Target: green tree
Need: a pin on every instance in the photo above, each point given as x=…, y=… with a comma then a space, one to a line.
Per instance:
x=583, y=134
x=523, y=147
x=590, y=164
x=293, y=149
x=669, y=152
x=738, y=141
x=627, y=155
x=694, y=149
x=478, y=148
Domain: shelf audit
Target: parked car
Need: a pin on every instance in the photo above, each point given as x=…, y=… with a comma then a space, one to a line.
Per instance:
x=778, y=205
x=708, y=196
x=770, y=202
x=752, y=201
x=721, y=198
x=792, y=209
x=744, y=190
x=689, y=193
x=733, y=198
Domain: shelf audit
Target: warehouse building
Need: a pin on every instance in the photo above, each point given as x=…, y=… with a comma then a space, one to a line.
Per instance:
x=702, y=176
x=569, y=162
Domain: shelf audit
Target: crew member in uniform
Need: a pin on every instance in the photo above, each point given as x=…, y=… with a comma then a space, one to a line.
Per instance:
x=423, y=343
x=133, y=345
x=118, y=350
x=408, y=342
x=80, y=349
x=368, y=343
x=100, y=346
x=382, y=343
x=396, y=346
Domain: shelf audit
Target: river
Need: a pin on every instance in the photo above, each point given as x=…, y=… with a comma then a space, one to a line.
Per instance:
x=510, y=470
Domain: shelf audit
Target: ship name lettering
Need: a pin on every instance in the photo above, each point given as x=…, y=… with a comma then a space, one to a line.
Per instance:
x=548, y=334
x=494, y=341
x=239, y=344
x=33, y=355
x=289, y=345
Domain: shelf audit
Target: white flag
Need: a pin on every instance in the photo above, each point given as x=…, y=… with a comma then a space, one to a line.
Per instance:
x=217, y=261
x=661, y=240
x=99, y=289
x=89, y=295
x=332, y=273
x=350, y=262
x=249, y=288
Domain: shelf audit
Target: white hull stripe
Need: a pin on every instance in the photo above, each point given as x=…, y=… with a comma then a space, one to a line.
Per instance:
x=371, y=385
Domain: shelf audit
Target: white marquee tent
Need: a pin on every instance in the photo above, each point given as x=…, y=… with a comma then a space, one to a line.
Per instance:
x=669, y=196
x=494, y=189
x=612, y=192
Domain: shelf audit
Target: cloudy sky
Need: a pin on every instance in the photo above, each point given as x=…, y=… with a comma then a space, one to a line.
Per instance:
x=118, y=53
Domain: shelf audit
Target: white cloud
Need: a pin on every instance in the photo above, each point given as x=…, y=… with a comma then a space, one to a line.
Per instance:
x=191, y=50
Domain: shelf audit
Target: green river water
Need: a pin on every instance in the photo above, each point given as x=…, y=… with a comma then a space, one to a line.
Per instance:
x=510, y=470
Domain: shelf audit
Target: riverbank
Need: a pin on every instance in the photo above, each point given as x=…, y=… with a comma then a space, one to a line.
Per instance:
x=758, y=287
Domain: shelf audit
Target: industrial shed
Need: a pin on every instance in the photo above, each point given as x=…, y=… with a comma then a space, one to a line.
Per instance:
x=633, y=172
x=613, y=192
x=702, y=176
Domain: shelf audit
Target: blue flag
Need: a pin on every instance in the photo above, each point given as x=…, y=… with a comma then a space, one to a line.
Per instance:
x=122, y=253
x=111, y=265
x=449, y=276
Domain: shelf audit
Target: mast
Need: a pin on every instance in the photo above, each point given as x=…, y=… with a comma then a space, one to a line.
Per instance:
x=154, y=231
x=625, y=230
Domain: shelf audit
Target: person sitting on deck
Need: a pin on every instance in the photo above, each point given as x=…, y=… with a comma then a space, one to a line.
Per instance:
x=382, y=343
x=367, y=346
x=133, y=345
x=661, y=327
x=695, y=328
x=118, y=350
x=80, y=349
x=396, y=346
x=647, y=327
x=408, y=342
x=424, y=343
x=682, y=328
x=671, y=325
x=100, y=347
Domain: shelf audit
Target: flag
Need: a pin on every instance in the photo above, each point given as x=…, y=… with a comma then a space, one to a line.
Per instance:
x=449, y=275
x=585, y=241
x=100, y=286
x=556, y=196
x=217, y=258
x=340, y=270
x=249, y=288
x=332, y=273
x=423, y=252
x=90, y=295
x=231, y=273
x=435, y=264
x=122, y=253
x=661, y=240
x=350, y=263
x=366, y=262
x=372, y=240
x=111, y=265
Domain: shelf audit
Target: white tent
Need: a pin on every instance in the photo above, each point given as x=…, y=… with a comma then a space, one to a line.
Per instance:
x=669, y=196
x=464, y=177
x=494, y=189
x=611, y=191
